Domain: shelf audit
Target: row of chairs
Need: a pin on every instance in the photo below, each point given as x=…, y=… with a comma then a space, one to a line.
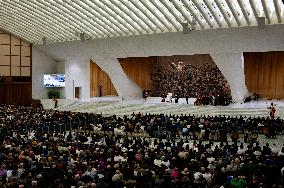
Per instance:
x=111, y=133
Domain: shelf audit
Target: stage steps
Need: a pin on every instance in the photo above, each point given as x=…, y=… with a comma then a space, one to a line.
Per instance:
x=121, y=108
x=127, y=109
x=62, y=103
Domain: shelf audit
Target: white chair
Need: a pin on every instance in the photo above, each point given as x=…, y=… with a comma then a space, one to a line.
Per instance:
x=169, y=97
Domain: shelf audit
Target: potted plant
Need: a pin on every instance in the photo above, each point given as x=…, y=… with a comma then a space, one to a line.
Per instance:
x=53, y=94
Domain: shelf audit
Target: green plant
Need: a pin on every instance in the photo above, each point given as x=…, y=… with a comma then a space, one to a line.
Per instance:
x=53, y=94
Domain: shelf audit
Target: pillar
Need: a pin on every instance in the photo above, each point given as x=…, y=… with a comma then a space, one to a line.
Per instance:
x=125, y=87
x=77, y=74
x=232, y=67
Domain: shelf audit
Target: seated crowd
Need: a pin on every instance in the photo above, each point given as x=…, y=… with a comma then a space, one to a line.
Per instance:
x=46, y=148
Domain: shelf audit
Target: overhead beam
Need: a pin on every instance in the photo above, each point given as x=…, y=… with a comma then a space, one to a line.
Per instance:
x=171, y=10
x=233, y=11
x=162, y=21
x=254, y=10
x=111, y=14
x=178, y=6
x=50, y=18
x=144, y=11
x=140, y=20
x=94, y=20
x=40, y=19
x=220, y=7
x=107, y=15
x=58, y=14
x=265, y=9
x=89, y=23
x=125, y=21
x=29, y=21
x=277, y=10
x=134, y=9
x=205, y=15
x=28, y=30
x=73, y=17
x=196, y=17
x=212, y=12
x=133, y=17
x=170, y=20
x=101, y=19
x=27, y=34
x=27, y=39
x=241, y=4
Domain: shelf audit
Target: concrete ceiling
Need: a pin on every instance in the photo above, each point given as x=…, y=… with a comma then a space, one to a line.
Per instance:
x=51, y=21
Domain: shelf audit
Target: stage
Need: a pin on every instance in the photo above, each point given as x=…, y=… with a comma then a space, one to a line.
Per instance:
x=114, y=105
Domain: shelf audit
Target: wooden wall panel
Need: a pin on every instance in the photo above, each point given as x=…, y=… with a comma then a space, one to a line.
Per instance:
x=15, y=61
x=16, y=87
x=16, y=93
x=264, y=73
x=5, y=70
x=4, y=49
x=4, y=38
x=25, y=71
x=100, y=78
x=12, y=51
x=4, y=60
x=137, y=69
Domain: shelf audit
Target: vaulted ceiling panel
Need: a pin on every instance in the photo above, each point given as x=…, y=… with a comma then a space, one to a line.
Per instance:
x=67, y=20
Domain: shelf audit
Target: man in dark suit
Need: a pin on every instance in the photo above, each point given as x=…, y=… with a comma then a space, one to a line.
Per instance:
x=176, y=98
x=186, y=98
x=145, y=94
x=272, y=111
x=55, y=102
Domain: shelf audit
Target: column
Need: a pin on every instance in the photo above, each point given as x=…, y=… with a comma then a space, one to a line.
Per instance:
x=232, y=67
x=125, y=87
x=77, y=74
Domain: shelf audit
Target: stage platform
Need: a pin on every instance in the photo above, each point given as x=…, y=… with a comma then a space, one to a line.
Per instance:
x=113, y=105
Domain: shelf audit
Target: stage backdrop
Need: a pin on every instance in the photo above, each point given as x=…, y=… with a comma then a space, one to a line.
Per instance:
x=184, y=75
x=190, y=75
x=264, y=74
x=137, y=68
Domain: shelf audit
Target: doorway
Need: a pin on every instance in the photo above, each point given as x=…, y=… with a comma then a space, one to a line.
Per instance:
x=77, y=92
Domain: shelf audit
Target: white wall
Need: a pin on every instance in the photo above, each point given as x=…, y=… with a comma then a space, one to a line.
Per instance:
x=233, y=40
x=44, y=64
x=41, y=64
x=77, y=71
x=60, y=67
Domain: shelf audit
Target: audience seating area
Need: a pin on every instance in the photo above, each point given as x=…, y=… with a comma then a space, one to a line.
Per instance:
x=47, y=148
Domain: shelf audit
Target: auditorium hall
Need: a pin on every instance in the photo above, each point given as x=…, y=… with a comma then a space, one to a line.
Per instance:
x=142, y=94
